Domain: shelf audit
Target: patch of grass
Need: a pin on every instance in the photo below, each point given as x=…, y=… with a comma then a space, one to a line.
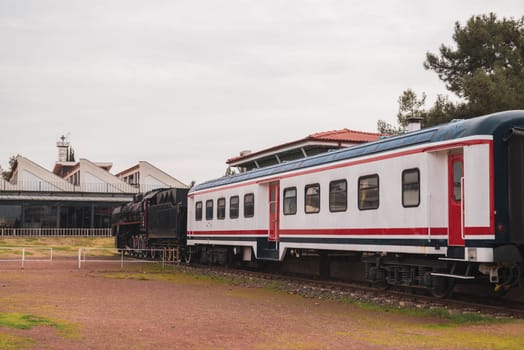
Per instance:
x=451, y=319
x=179, y=275
x=58, y=242
x=275, y=285
x=61, y=245
x=169, y=274
x=288, y=344
x=26, y=321
x=11, y=342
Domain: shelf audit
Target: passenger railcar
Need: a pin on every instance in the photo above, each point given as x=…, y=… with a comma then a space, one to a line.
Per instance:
x=425, y=208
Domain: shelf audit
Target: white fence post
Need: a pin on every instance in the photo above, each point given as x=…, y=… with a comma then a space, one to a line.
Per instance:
x=79, y=257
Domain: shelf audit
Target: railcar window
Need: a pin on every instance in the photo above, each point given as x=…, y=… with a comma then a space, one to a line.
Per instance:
x=233, y=207
x=209, y=209
x=249, y=205
x=368, y=192
x=290, y=201
x=338, y=195
x=312, y=200
x=411, y=188
x=221, y=208
x=198, y=211
x=457, y=186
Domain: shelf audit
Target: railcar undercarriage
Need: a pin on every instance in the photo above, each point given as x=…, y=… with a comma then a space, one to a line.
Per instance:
x=437, y=276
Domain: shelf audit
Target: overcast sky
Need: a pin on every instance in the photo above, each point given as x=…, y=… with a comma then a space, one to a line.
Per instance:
x=187, y=84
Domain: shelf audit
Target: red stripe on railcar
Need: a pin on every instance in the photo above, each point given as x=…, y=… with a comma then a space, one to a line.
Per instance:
x=225, y=233
x=417, y=231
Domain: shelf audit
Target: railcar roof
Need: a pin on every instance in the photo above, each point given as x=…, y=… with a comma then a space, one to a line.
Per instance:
x=491, y=124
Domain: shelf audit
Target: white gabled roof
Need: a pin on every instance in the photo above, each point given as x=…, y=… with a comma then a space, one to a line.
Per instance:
x=96, y=179
x=149, y=174
x=29, y=176
x=151, y=177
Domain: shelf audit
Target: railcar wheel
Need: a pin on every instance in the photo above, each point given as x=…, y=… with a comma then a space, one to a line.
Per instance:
x=508, y=278
x=499, y=291
x=442, y=287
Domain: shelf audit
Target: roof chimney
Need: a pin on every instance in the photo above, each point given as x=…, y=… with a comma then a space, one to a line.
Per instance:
x=63, y=147
x=414, y=123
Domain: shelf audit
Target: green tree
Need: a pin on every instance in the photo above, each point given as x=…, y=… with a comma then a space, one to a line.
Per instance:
x=409, y=106
x=229, y=171
x=485, y=70
x=6, y=174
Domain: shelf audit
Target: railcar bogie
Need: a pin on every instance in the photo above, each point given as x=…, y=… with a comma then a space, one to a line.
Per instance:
x=409, y=271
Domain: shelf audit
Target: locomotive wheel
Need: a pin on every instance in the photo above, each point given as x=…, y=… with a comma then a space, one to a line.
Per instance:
x=187, y=257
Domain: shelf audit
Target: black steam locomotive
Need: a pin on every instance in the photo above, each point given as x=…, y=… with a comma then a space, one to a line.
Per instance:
x=153, y=224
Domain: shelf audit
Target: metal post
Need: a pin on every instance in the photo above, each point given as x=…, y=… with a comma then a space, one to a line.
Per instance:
x=79, y=257
x=122, y=259
x=23, y=257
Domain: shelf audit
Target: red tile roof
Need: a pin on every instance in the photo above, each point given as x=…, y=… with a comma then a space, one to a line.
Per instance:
x=346, y=135
x=343, y=136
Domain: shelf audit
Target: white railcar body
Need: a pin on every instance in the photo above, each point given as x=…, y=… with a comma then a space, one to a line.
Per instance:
x=390, y=227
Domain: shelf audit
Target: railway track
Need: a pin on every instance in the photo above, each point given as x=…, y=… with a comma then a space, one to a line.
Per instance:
x=362, y=292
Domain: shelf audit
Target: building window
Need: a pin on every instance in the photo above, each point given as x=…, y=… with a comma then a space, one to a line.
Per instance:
x=221, y=208
x=209, y=209
x=233, y=207
x=198, y=211
x=368, y=192
x=411, y=188
x=10, y=215
x=249, y=205
x=338, y=195
x=312, y=199
x=290, y=201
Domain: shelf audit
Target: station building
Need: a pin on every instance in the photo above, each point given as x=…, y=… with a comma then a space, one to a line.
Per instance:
x=78, y=197
x=75, y=198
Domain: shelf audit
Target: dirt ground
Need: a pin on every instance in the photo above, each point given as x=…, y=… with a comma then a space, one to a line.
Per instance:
x=182, y=311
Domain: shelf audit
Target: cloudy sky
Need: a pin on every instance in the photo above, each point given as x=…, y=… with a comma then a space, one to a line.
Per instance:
x=187, y=84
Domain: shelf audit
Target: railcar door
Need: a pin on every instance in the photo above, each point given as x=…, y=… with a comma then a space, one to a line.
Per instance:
x=274, y=207
x=455, y=200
